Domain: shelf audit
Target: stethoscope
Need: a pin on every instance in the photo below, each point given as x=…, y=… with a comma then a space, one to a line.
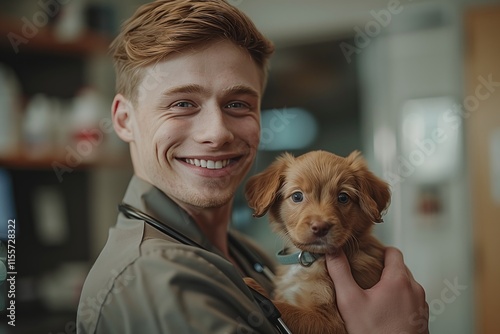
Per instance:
x=266, y=305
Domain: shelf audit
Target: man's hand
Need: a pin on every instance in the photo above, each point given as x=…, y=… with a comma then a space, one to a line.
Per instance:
x=395, y=305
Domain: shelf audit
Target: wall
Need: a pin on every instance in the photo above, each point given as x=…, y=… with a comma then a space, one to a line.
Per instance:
x=417, y=57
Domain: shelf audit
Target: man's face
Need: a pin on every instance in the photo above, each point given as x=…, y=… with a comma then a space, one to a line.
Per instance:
x=196, y=124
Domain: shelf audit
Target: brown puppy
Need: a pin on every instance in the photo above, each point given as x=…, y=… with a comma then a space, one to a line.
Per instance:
x=320, y=203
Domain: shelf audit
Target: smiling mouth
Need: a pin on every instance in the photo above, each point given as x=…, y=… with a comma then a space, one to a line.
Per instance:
x=209, y=164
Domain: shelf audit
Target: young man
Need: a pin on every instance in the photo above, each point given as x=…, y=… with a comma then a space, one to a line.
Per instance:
x=190, y=77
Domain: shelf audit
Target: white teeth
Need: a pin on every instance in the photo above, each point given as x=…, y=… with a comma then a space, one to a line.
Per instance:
x=210, y=164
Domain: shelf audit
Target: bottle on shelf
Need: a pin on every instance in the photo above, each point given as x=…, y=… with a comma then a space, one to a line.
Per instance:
x=39, y=128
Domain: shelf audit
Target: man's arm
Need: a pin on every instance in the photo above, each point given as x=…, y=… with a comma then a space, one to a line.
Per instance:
x=395, y=305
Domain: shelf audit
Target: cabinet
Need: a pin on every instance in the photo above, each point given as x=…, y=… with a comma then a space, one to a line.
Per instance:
x=53, y=197
x=483, y=149
x=44, y=65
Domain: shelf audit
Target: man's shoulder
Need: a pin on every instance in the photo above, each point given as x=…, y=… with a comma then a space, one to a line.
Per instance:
x=163, y=277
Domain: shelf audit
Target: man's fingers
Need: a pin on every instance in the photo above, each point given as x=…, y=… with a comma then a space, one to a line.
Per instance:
x=394, y=264
x=340, y=272
x=397, y=272
x=393, y=256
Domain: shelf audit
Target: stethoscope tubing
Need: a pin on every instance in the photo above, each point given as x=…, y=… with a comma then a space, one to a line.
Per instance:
x=133, y=213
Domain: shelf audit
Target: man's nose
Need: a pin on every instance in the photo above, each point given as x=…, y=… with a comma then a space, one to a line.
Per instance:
x=213, y=127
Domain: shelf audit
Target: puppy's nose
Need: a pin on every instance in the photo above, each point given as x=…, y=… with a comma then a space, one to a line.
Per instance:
x=320, y=229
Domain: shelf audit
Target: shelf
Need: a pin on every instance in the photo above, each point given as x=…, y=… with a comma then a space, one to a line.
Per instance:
x=23, y=161
x=44, y=40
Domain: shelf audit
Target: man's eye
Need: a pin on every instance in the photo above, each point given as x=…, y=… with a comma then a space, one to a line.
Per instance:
x=236, y=105
x=183, y=104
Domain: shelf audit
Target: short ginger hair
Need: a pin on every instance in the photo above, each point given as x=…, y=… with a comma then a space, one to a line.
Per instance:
x=162, y=27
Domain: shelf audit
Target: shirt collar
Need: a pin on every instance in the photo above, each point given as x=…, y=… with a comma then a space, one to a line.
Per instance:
x=152, y=201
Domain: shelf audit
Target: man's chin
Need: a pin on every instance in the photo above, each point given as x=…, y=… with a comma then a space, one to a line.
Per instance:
x=211, y=203
x=208, y=201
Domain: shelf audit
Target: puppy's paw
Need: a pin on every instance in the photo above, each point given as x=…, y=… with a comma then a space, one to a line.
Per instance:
x=251, y=283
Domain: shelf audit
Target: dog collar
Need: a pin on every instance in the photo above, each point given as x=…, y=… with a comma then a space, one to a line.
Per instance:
x=305, y=259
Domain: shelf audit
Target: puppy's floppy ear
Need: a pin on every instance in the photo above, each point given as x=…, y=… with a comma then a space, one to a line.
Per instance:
x=374, y=193
x=261, y=190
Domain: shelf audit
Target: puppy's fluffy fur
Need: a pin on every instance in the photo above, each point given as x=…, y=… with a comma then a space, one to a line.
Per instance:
x=320, y=203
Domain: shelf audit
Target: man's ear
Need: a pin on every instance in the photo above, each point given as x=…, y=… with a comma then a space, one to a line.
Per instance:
x=122, y=114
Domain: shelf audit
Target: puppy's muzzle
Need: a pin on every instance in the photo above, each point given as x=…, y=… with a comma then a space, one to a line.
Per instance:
x=320, y=229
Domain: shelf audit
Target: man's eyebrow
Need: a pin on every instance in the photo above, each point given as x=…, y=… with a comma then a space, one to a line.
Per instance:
x=241, y=90
x=196, y=89
x=192, y=88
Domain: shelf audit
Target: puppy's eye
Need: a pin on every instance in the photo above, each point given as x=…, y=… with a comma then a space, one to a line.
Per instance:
x=343, y=198
x=297, y=197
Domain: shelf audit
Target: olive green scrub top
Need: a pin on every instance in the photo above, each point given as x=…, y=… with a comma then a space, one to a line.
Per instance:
x=146, y=282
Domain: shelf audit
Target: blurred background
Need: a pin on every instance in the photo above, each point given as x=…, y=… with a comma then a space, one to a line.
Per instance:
x=414, y=85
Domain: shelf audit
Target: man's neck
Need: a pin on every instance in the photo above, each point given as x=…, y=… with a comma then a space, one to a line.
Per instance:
x=214, y=223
